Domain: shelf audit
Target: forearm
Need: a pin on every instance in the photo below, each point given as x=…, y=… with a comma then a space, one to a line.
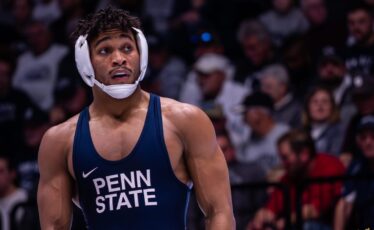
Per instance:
x=55, y=210
x=52, y=218
x=220, y=220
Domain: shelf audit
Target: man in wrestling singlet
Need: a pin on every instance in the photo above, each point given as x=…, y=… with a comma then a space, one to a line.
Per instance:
x=131, y=158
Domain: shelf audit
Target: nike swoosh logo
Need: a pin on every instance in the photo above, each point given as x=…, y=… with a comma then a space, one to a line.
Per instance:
x=85, y=175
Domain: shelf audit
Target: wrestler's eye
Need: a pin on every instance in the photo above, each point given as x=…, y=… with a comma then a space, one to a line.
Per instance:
x=128, y=48
x=104, y=51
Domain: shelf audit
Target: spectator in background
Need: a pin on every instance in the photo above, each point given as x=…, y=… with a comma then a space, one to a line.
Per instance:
x=15, y=106
x=297, y=59
x=46, y=11
x=12, y=33
x=355, y=209
x=36, y=70
x=260, y=145
x=302, y=162
x=4, y=12
x=34, y=128
x=274, y=81
x=166, y=72
x=188, y=16
x=283, y=20
x=22, y=13
x=258, y=50
x=333, y=75
x=360, y=56
x=216, y=91
x=70, y=98
x=323, y=32
x=370, y=4
x=157, y=14
x=10, y=194
x=206, y=41
x=71, y=12
x=322, y=121
x=245, y=201
x=363, y=98
x=134, y=6
x=70, y=95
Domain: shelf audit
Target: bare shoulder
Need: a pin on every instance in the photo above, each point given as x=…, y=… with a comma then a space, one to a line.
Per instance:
x=60, y=136
x=65, y=130
x=182, y=113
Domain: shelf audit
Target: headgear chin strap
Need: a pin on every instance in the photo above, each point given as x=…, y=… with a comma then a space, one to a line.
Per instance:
x=85, y=69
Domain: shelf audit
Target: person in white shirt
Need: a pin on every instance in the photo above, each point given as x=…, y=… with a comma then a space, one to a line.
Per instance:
x=213, y=89
x=260, y=145
x=10, y=194
x=36, y=71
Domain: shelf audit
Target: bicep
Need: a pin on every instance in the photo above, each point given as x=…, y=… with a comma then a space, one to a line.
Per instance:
x=207, y=166
x=55, y=185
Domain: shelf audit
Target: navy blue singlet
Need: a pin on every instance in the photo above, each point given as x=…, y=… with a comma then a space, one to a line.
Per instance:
x=139, y=191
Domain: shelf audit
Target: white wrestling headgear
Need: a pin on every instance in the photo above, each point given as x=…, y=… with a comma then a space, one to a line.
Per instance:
x=85, y=69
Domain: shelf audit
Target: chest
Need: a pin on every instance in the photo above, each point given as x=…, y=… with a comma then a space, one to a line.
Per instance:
x=117, y=141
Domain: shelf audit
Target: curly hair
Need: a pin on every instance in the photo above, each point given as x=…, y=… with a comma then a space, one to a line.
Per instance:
x=103, y=20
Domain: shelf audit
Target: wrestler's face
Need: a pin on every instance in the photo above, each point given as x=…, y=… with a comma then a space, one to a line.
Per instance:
x=115, y=57
x=360, y=25
x=365, y=140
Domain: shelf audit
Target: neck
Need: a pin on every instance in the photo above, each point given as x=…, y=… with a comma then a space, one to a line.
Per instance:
x=104, y=104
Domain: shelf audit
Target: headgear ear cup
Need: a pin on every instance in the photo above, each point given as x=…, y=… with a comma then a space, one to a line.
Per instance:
x=143, y=52
x=83, y=61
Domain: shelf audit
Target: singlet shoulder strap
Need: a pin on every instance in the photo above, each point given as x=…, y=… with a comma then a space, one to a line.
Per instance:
x=78, y=146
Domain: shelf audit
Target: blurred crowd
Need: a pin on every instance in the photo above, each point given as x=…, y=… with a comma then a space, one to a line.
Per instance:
x=268, y=73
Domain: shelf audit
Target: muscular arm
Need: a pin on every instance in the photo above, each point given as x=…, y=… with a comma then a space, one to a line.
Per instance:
x=208, y=169
x=55, y=184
